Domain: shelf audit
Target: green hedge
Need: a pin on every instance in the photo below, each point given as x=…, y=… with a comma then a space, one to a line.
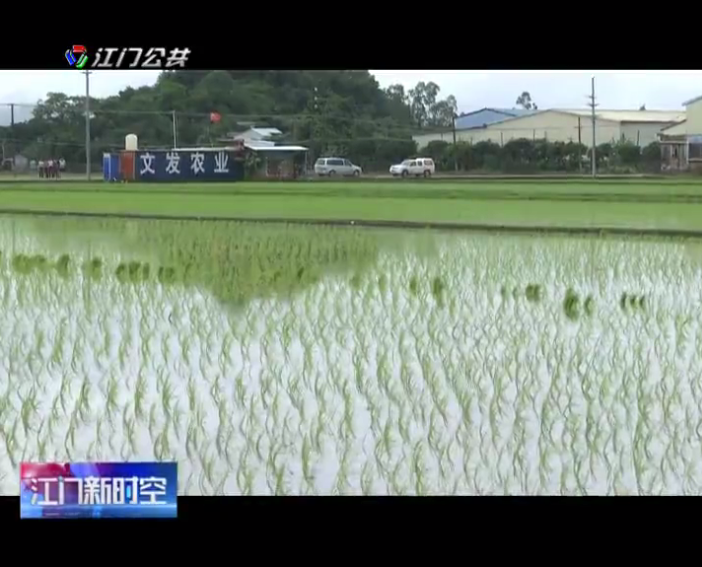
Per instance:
x=534, y=156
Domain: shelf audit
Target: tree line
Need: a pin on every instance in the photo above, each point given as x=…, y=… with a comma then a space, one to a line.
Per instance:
x=527, y=156
x=343, y=113
x=339, y=113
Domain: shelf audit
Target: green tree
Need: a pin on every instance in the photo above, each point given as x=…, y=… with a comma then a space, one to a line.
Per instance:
x=330, y=111
x=525, y=101
x=422, y=98
x=651, y=158
x=526, y=156
x=442, y=112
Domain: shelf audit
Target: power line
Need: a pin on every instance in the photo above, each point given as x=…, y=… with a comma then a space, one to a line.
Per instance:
x=119, y=143
x=291, y=116
x=103, y=144
x=24, y=104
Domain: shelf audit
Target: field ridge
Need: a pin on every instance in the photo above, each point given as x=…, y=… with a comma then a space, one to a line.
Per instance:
x=364, y=223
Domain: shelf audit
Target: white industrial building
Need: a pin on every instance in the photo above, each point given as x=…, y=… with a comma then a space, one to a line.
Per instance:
x=564, y=125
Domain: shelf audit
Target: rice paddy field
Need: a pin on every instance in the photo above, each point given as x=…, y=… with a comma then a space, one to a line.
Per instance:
x=645, y=205
x=291, y=359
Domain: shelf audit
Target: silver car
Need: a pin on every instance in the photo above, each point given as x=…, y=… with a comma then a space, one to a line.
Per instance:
x=332, y=166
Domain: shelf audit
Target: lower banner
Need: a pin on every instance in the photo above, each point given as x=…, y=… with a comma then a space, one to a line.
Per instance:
x=99, y=490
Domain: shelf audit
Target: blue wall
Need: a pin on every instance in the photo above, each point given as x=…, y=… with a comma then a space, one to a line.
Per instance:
x=188, y=165
x=110, y=167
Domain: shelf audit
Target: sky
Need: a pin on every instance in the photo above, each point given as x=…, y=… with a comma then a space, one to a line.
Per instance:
x=659, y=90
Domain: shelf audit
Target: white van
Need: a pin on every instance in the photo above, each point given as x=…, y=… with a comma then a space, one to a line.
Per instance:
x=332, y=166
x=415, y=166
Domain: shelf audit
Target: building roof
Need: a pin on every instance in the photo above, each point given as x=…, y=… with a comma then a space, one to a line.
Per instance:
x=486, y=116
x=266, y=131
x=261, y=132
x=201, y=149
x=692, y=100
x=257, y=143
x=276, y=148
x=629, y=115
x=491, y=116
x=254, y=145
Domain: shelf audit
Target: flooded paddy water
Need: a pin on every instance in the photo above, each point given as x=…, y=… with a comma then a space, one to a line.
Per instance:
x=294, y=360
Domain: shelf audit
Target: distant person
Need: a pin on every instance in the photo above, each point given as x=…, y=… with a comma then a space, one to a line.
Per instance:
x=62, y=165
x=57, y=169
x=42, y=168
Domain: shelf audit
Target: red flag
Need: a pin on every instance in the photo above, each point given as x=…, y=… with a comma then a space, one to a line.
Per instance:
x=215, y=117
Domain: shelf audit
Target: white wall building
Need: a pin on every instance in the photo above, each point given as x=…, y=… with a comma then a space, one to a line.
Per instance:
x=681, y=143
x=567, y=125
x=694, y=116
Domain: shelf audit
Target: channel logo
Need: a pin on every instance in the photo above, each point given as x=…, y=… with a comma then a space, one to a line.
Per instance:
x=77, y=56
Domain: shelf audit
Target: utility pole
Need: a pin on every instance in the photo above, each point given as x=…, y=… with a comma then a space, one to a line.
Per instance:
x=175, y=130
x=13, y=143
x=314, y=131
x=580, y=142
x=87, y=124
x=455, y=156
x=592, y=105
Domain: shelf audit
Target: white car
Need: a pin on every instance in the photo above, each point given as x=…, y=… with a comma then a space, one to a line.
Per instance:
x=336, y=166
x=417, y=167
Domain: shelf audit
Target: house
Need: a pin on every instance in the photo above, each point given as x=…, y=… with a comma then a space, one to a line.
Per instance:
x=681, y=143
x=266, y=158
x=693, y=126
x=693, y=109
x=673, y=142
x=565, y=125
x=259, y=136
x=276, y=162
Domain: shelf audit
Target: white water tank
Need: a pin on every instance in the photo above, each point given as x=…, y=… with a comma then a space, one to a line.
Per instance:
x=130, y=143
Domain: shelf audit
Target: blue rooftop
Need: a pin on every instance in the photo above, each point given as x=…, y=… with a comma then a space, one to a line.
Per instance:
x=483, y=117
